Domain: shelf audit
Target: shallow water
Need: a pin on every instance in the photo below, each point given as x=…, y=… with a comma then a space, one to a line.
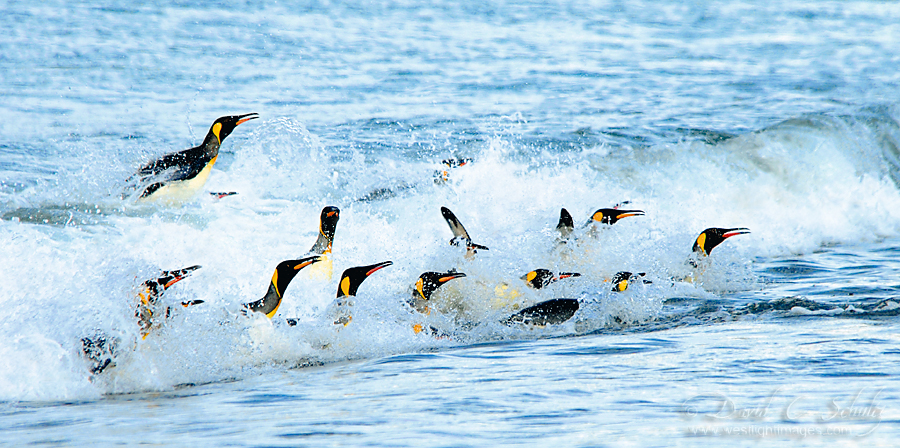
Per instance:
x=780, y=118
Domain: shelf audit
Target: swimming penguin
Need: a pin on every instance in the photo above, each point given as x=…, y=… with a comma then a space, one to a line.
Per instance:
x=150, y=293
x=328, y=220
x=284, y=273
x=442, y=176
x=620, y=281
x=175, y=178
x=460, y=236
x=709, y=239
x=611, y=216
x=350, y=281
x=426, y=285
x=541, y=277
x=550, y=312
x=101, y=348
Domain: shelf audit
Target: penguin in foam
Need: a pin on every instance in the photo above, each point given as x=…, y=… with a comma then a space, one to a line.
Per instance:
x=341, y=310
x=603, y=217
x=425, y=286
x=101, y=349
x=328, y=220
x=281, y=278
x=708, y=240
x=175, y=178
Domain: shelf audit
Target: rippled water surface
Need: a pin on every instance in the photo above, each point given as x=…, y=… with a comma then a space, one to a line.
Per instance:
x=782, y=118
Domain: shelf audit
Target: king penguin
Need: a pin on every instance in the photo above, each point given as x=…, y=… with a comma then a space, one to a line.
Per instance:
x=426, y=285
x=541, y=277
x=327, y=225
x=176, y=177
x=709, y=239
x=100, y=348
x=284, y=273
x=350, y=281
x=150, y=293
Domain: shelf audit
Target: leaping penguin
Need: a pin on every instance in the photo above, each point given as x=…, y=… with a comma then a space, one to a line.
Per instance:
x=284, y=273
x=176, y=177
x=460, y=236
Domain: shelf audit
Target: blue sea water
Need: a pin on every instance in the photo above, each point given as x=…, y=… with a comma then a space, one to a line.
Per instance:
x=781, y=117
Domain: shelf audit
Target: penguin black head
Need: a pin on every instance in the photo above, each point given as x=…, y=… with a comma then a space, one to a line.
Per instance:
x=353, y=277
x=429, y=282
x=566, y=225
x=713, y=236
x=327, y=225
x=612, y=215
x=223, y=126
x=281, y=278
x=288, y=269
x=539, y=278
x=153, y=289
x=621, y=279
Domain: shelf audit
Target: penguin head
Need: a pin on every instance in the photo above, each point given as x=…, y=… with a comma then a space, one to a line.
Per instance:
x=713, y=236
x=429, y=282
x=153, y=289
x=223, y=126
x=287, y=270
x=328, y=223
x=621, y=279
x=539, y=278
x=353, y=277
x=612, y=215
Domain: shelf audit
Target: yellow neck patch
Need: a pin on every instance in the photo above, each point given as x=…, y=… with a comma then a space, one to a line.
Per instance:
x=216, y=129
x=345, y=286
x=275, y=283
x=530, y=276
x=420, y=287
x=701, y=243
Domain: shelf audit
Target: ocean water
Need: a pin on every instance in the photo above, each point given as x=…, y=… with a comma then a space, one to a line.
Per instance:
x=783, y=118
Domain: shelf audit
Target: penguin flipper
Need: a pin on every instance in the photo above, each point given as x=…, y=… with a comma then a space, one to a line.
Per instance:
x=459, y=232
x=566, y=224
x=550, y=312
x=460, y=236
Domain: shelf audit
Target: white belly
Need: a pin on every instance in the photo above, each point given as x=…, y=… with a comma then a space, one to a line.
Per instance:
x=181, y=191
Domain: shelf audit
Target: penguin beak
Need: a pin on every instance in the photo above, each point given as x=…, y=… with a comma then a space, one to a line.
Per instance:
x=246, y=117
x=176, y=276
x=734, y=232
x=627, y=213
x=563, y=275
x=378, y=266
x=449, y=277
